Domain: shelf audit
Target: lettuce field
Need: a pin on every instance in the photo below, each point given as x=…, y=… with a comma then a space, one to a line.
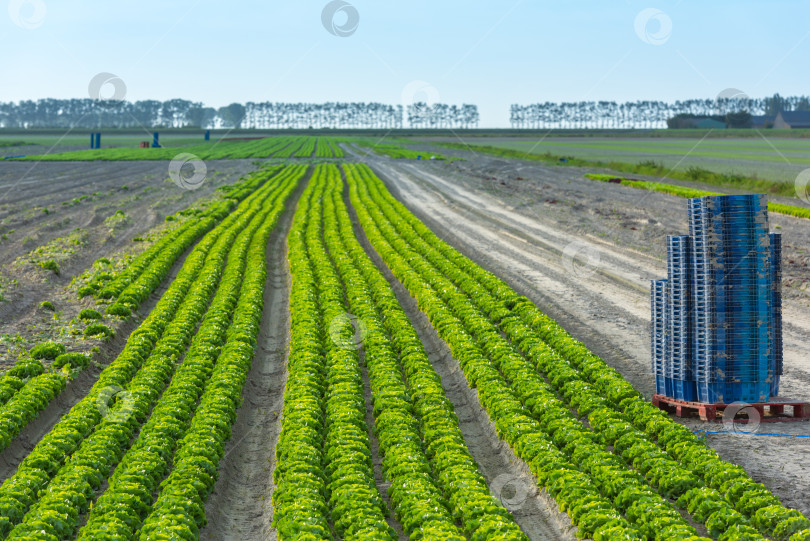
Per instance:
x=277, y=361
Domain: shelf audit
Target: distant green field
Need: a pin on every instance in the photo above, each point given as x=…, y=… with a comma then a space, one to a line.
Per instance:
x=241, y=149
x=276, y=147
x=107, y=140
x=778, y=159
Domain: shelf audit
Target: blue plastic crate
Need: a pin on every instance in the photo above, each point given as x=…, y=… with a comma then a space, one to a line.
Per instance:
x=719, y=370
x=748, y=218
x=723, y=313
x=740, y=227
x=747, y=377
x=734, y=354
x=684, y=390
x=745, y=371
x=716, y=237
x=744, y=307
x=740, y=264
x=737, y=370
x=739, y=343
x=660, y=385
x=776, y=301
x=704, y=221
x=658, y=329
x=725, y=392
x=718, y=203
x=727, y=307
x=669, y=387
x=732, y=272
x=680, y=308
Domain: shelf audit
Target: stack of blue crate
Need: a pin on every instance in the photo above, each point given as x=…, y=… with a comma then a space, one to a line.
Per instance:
x=733, y=297
x=658, y=342
x=720, y=306
x=678, y=366
x=776, y=272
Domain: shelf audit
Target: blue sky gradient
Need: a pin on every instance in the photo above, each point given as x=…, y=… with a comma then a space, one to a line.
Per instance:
x=488, y=53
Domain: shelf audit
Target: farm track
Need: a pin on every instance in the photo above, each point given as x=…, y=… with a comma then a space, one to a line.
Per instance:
x=610, y=317
x=534, y=511
x=233, y=509
x=534, y=249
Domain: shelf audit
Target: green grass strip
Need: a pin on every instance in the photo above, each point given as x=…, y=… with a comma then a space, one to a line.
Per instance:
x=682, y=191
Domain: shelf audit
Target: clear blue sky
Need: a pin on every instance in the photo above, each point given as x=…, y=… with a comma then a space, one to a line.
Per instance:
x=491, y=53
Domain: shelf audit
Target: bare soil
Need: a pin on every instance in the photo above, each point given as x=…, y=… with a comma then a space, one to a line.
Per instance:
x=78, y=387
x=147, y=201
x=41, y=209
x=376, y=457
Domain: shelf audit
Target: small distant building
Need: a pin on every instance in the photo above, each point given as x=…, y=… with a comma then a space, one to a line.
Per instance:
x=709, y=123
x=792, y=120
x=762, y=121
x=687, y=121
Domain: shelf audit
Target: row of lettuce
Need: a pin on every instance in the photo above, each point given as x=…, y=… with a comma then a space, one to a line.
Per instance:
x=156, y=421
x=619, y=466
x=324, y=475
x=682, y=191
x=328, y=147
x=323, y=468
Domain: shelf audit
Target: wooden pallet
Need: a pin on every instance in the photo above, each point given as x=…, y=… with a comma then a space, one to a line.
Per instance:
x=772, y=411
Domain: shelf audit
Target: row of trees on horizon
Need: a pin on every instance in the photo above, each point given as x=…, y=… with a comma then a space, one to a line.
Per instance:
x=179, y=113
x=646, y=114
